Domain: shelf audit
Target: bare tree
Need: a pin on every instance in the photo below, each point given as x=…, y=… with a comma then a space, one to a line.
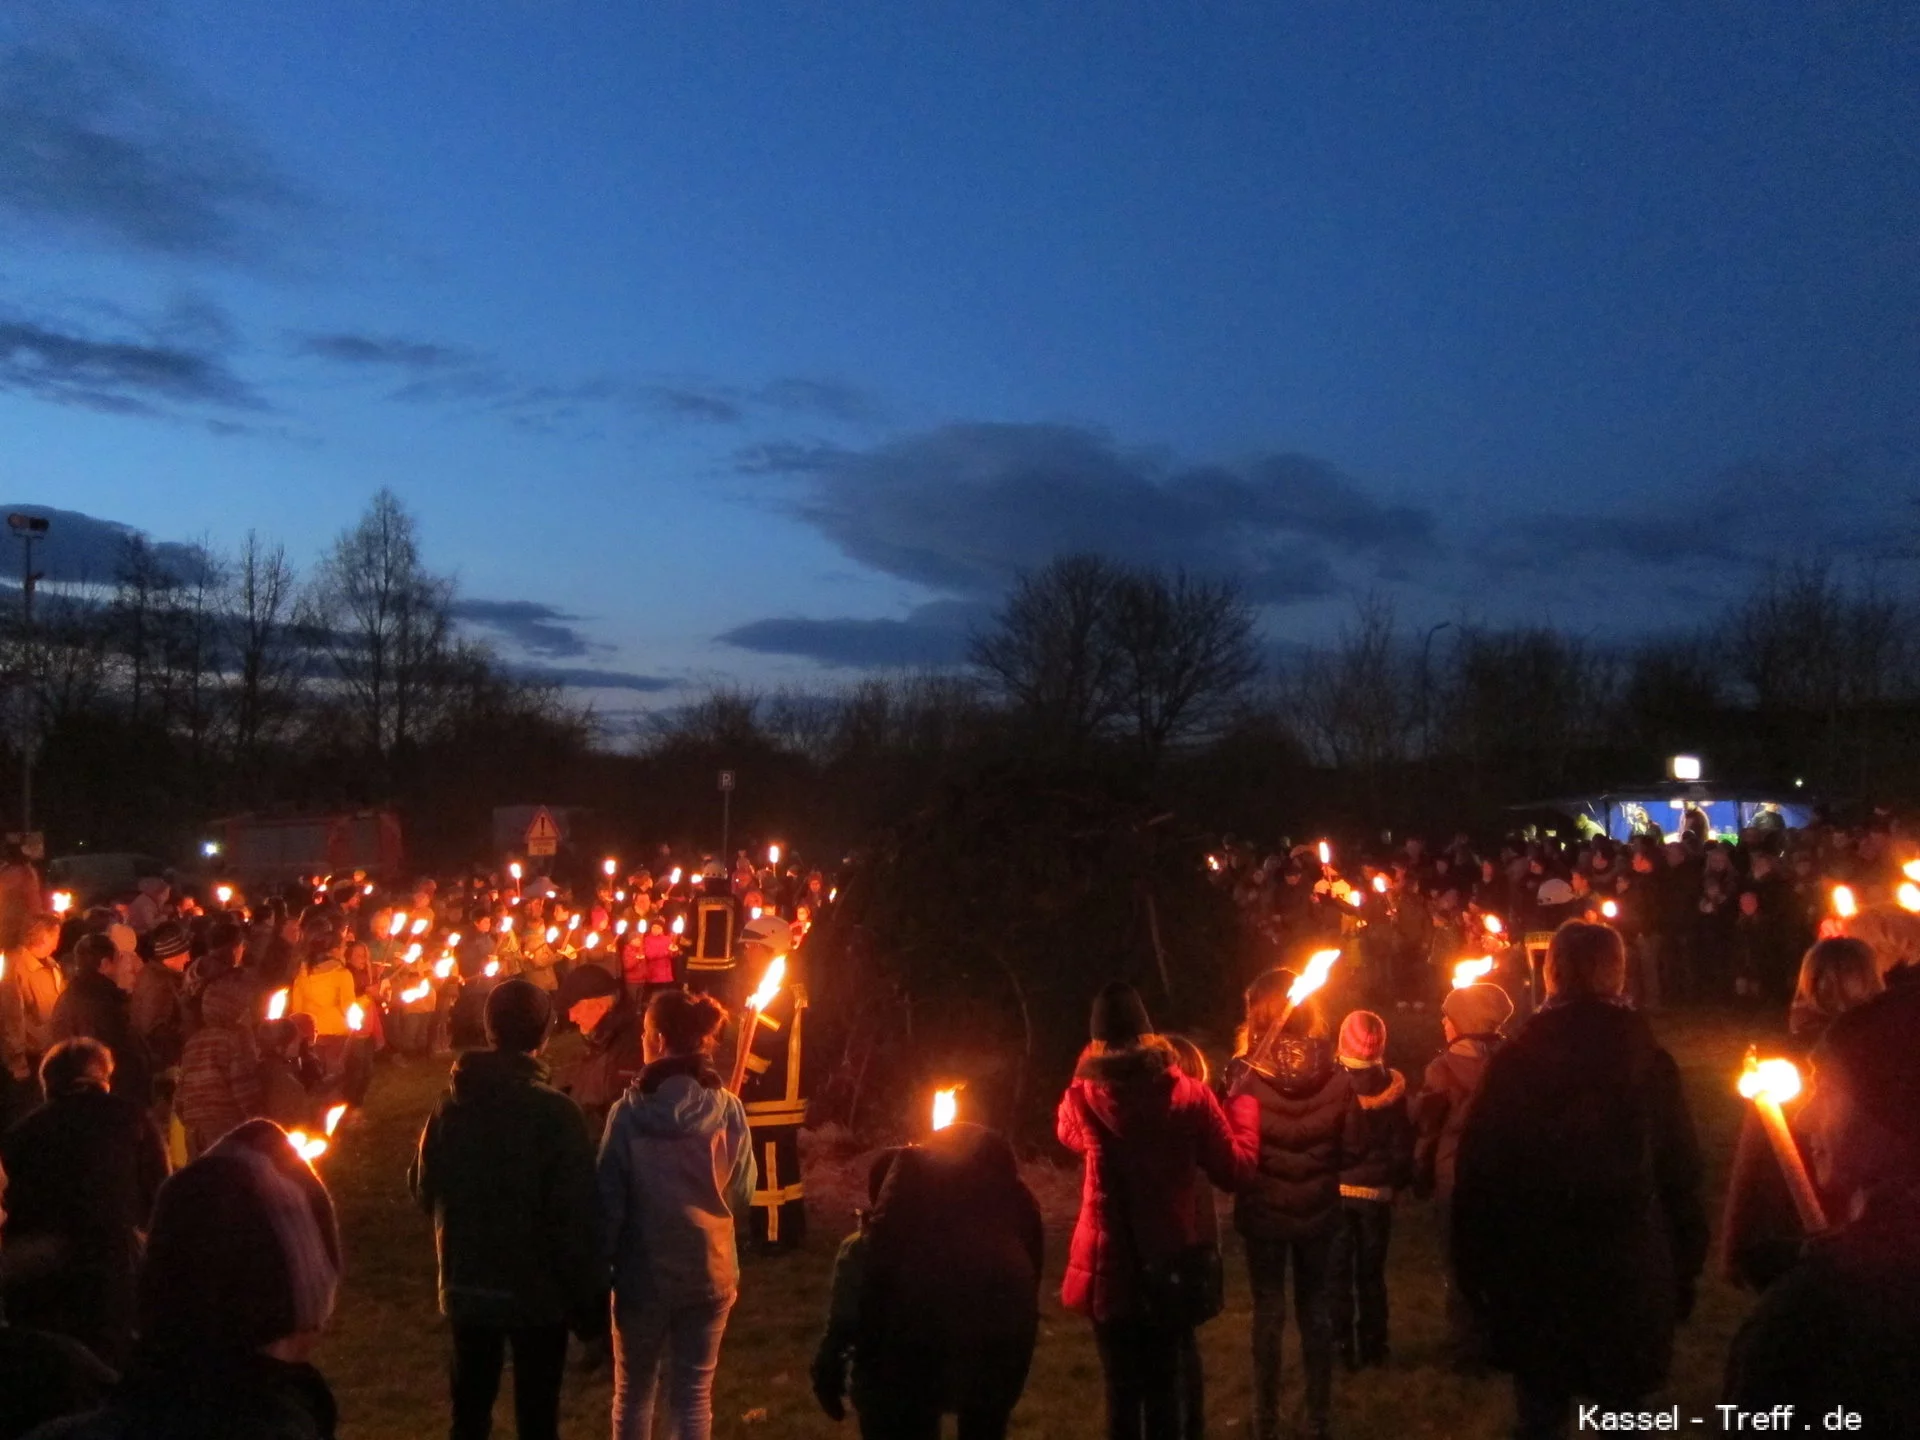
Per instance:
x=267, y=665
x=142, y=593
x=1185, y=655
x=1355, y=704
x=1051, y=655
x=384, y=621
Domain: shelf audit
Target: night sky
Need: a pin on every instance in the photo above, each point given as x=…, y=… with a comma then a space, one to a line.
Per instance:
x=768, y=341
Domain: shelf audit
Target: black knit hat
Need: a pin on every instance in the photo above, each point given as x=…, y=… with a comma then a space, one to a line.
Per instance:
x=167, y=939
x=517, y=1015
x=1119, y=1017
x=243, y=1249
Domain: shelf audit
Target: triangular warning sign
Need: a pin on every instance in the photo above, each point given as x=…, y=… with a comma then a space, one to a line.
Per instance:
x=542, y=834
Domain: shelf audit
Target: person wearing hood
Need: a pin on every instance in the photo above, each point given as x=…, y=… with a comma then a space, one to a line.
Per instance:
x=676, y=1174
x=936, y=1297
x=1577, y=1226
x=1371, y=1178
x=505, y=1168
x=1294, y=1103
x=1147, y=1133
x=1473, y=1019
x=238, y=1282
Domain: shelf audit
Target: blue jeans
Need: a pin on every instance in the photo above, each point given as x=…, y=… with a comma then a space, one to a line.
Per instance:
x=687, y=1339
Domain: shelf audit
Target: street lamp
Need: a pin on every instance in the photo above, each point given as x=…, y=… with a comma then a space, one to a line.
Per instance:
x=1426, y=690
x=29, y=528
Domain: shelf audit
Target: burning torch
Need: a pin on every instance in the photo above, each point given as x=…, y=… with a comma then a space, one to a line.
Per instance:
x=750, y=1026
x=1769, y=1084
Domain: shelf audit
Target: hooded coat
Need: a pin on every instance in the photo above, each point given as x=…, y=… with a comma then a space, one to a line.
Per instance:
x=1157, y=1130
x=676, y=1168
x=506, y=1170
x=1578, y=1230
x=1295, y=1112
x=1447, y=1093
x=1381, y=1163
x=949, y=1305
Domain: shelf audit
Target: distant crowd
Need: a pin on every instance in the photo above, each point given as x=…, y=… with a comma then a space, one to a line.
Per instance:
x=170, y=1258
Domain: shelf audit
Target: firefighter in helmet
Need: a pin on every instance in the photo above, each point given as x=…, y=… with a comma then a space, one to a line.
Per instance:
x=774, y=1087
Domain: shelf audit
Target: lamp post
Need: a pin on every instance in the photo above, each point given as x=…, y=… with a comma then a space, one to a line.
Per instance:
x=29, y=528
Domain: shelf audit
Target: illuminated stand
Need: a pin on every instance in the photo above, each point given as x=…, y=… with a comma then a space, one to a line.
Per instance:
x=1665, y=806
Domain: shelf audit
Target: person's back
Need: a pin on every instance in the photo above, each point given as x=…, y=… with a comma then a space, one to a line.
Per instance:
x=324, y=989
x=220, y=1066
x=676, y=1172
x=94, y=1008
x=83, y=1171
x=1577, y=1228
x=505, y=1169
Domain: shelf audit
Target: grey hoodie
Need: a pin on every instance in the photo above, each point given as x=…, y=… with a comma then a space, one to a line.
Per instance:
x=676, y=1167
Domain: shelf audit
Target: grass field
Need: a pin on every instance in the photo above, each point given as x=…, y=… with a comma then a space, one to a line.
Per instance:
x=386, y=1355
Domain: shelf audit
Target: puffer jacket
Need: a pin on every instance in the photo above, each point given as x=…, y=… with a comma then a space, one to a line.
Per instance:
x=506, y=1170
x=1383, y=1164
x=676, y=1169
x=1295, y=1110
x=1447, y=1093
x=1147, y=1132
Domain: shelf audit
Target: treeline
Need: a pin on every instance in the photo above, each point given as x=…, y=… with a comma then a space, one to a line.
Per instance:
x=174, y=690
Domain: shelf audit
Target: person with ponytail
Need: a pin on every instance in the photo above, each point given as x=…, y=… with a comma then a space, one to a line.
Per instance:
x=1291, y=1101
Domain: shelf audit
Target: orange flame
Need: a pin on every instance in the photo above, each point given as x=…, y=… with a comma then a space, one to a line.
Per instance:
x=277, y=1004
x=1844, y=905
x=769, y=984
x=1472, y=972
x=1776, y=1080
x=356, y=1017
x=1319, y=966
x=946, y=1107
x=443, y=967
x=335, y=1114
x=1492, y=925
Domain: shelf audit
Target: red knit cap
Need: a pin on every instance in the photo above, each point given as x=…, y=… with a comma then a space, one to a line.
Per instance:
x=1363, y=1038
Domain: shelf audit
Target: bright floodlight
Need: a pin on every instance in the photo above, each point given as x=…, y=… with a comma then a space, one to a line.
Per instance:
x=1684, y=767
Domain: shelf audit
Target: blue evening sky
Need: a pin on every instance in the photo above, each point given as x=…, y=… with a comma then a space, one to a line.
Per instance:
x=769, y=340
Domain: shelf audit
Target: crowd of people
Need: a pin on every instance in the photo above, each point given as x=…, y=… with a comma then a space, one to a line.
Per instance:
x=169, y=1255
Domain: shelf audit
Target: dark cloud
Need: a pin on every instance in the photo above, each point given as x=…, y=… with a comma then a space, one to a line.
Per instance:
x=828, y=399
x=705, y=407
x=588, y=678
x=83, y=549
x=536, y=628
x=382, y=350
x=963, y=508
x=119, y=376
x=1856, y=504
x=787, y=457
x=933, y=635
x=100, y=142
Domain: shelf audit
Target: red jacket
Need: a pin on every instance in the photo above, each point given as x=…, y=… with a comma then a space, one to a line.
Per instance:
x=1164, y=1129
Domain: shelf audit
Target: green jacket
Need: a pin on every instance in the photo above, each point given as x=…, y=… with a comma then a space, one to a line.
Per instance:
x=507, y=1172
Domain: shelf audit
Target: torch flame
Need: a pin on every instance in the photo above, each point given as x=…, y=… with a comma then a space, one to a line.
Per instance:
x=1911, y=869
x=62, y=902
x=414, y=994
x=1610, y=910
x=1326, y=853
x=553, y=933
x=277, y=1005
x=1492, y=925
x=753, y=913
x=414, y=952
x=491, y=969
x=593, y=940
x=1354, y=898
x=398, y=924
x=1319, y=966
x=1844, y=905
x=573, y=923
x=1379, y=884
x=506, y=924
x=1776, y=1080
x=443, y=967
x=223, y=893
x=308, y=1147
x=335, y=1114
x=769, y=984
x=515, y=871
x=679, y=924
x=453, y=940
x=619, y=927
x=773, y=854
x=608, y=866
x=356, y=1018
x=674, y=877
x=946, y=1107
x=1909, y=897
x=1472, y=972
x=421, y=926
